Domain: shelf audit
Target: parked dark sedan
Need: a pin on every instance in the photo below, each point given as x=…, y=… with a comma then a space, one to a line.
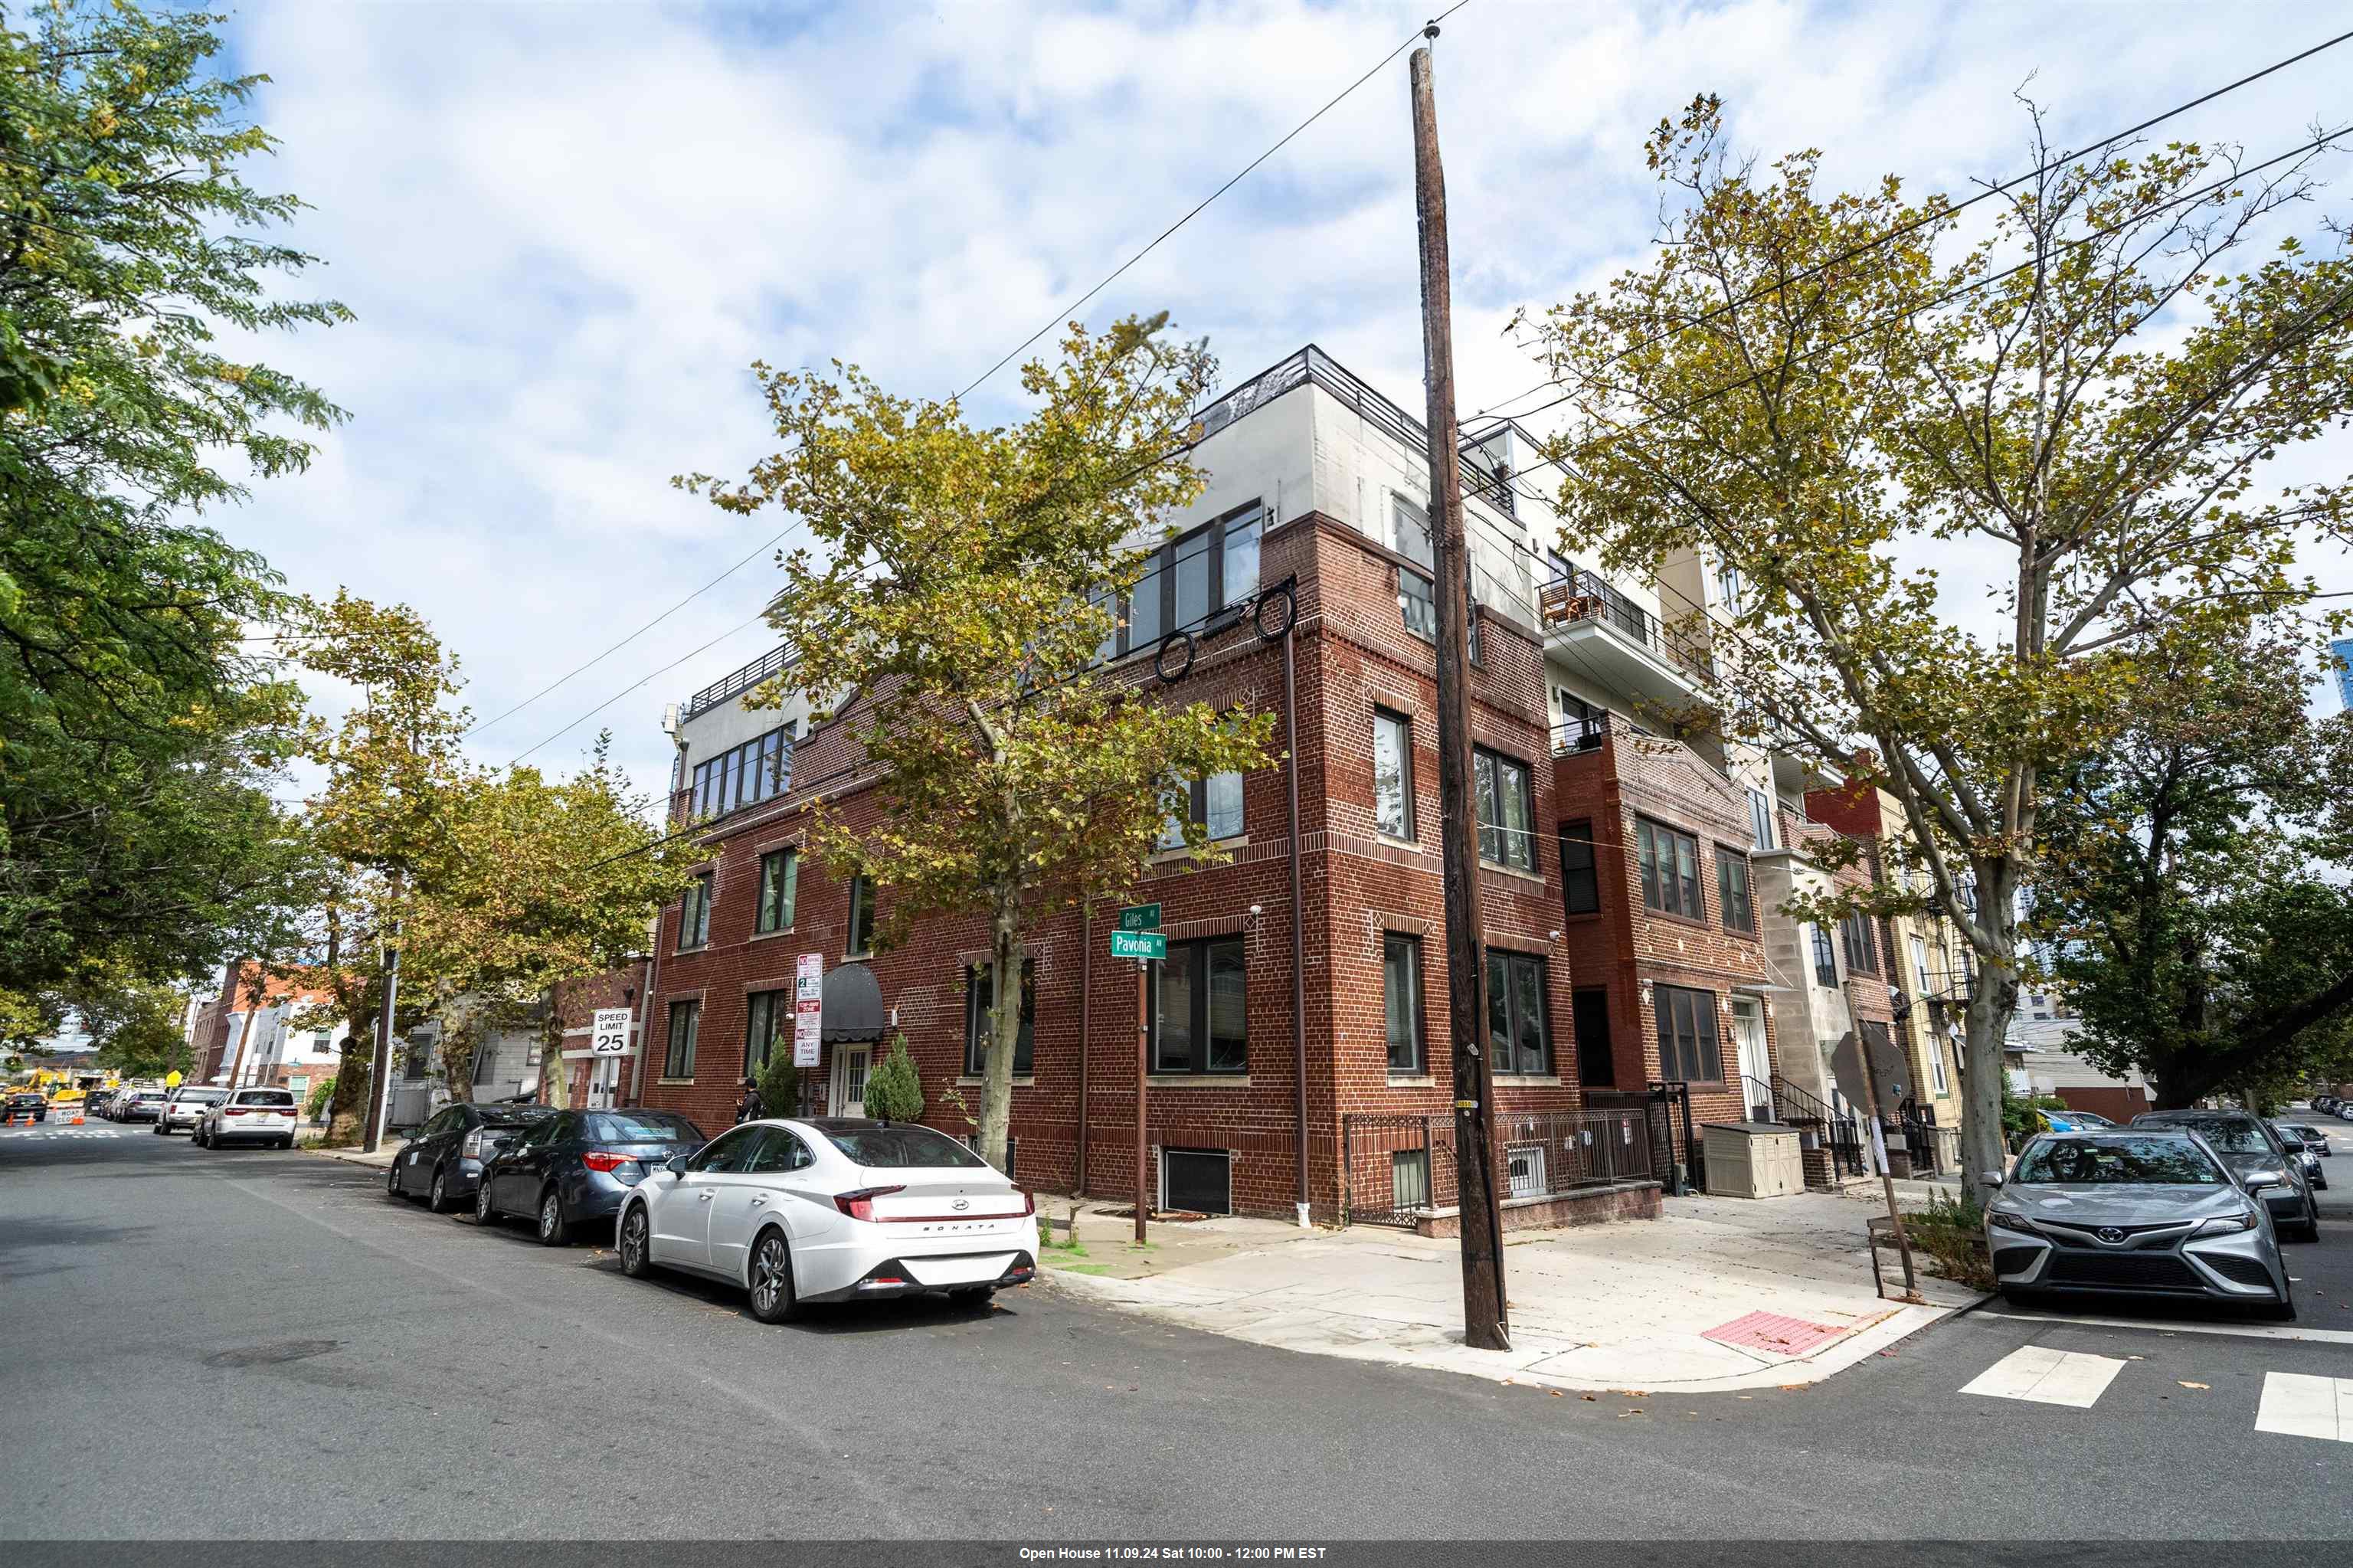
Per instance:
x=98, y=1100
x=576, y=1168
x=443, y=1160
x=28, y=1103
x=2256, y=1157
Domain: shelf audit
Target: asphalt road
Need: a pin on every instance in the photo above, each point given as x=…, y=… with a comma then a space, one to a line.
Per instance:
x=260, y=1345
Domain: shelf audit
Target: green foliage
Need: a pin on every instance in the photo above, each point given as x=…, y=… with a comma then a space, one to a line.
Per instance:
x=321, y=1092
x=1951, y=1232
x=955, y=588
x=780, y=1083
x=138, y=737
x=894, y=1090
x=2018, y=1120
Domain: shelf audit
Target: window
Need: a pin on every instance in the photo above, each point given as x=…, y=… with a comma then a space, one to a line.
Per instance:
x=1761, y=818
x=1417, y=603
x=1732, y=889
x=1597, y=1064
x=1825, y=960
x=1580, y=888
x=486, y=1056
x=1392, y=774
x=780, y=878
x=1409, y=1179
x=1688, y=1048
x=1191, y=579
x=1920, y=968
x=861, y=918
x=980, y=992
x=1861, y=952
x=1215, y=802
x=727, y=1154
x=759, y=769
x=1507, y=811
x=902, y=1148
x=1941, y=1084
x=694, y=913
x=1402, y=1001
x=1517, y=1040
x=685, y=1018
x=1731, y=588
x=1410, y=533
x=1670, y=862
x=1199, y=1020
x=768, y=1023
x=777, y=1152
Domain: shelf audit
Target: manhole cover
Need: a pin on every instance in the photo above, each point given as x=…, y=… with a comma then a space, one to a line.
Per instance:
x=270, y=1355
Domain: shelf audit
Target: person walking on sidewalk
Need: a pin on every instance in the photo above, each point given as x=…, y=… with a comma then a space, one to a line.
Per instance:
x=749, y=1108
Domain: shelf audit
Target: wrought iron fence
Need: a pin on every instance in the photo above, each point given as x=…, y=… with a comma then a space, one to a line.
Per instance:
x=1401, y=1168
x=1838, y=1133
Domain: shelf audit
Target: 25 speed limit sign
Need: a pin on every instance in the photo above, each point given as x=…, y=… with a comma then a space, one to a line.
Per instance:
x=610, y=1035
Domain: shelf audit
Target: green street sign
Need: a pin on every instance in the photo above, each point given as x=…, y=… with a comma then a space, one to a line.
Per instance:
x=1140, y=917
x=1138, y=945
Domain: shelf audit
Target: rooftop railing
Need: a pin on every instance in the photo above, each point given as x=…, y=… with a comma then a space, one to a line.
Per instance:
x=738, y=682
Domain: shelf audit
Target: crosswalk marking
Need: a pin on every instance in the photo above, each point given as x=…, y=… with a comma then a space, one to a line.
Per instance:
x=2298, y=1405
x=2048, y=1377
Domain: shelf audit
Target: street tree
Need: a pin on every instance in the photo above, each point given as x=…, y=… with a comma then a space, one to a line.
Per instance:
x=1833, y=398
x=2191, y=889
x=139, y=732
x=958, y=583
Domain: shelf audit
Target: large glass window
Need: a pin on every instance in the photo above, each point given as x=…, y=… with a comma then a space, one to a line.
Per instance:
x=1215, y=802
x=1861, y=949
x=1199, y=1016
x=742, y=775
x=1402, y=1001
x=780, y=876
x=1732, y=890
x=1191, y=579
x=1689, y=1050
x=1761, y=818
x=1670, y=862
x=1518, y=1040
x=1507, y=811
x=685, y=1019
x=1417, y=603
x=980, y=992
x=861, y=918
x=1825, y=959
x=1392, y=774
x=694, y=913
x=1237, y=569
x=767, y=1023
x=1580, y=886
x=1410, y=533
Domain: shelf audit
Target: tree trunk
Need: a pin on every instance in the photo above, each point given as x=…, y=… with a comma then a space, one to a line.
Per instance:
x=554, y=1072
x=1992, y=1003
x=347, y=1107
x=1004, y=1036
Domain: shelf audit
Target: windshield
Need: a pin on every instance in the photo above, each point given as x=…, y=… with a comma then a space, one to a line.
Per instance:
x=642, y=1126
x=2232, y=1135
x=2116, y=1162
x=893, y=1148
x=514, y=1116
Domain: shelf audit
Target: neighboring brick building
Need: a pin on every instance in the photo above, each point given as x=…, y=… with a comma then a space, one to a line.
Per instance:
x=250, y=1030
x=1615, y=974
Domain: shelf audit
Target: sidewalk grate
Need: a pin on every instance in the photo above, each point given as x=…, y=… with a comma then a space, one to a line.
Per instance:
x=1771, y=1331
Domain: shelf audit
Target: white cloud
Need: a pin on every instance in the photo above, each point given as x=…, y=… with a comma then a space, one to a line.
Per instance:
x=567, y=229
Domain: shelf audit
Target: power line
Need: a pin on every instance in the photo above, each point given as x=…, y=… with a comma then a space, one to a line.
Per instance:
x=633, y=685
x=1924, y=220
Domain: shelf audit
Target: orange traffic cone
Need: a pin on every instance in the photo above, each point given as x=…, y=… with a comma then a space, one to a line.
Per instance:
x=77, y=1121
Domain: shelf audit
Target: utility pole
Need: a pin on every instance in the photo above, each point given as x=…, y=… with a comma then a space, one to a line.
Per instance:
x=1486, y=1319
x=380, y=1078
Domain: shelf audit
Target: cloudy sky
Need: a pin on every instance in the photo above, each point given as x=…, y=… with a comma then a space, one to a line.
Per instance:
x=566, y=228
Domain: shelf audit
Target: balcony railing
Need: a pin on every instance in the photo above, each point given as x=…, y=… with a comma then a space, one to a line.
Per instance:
x=1578, y=595
x=738, y=682
x=1572, y=735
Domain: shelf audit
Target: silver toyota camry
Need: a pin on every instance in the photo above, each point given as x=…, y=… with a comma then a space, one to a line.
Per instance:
x=2135, y=1211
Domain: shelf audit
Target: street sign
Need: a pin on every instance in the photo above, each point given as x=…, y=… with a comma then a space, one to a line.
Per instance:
x=809, y=1008
x=1138, y=945
x=1140, y=917
x=610, y=1035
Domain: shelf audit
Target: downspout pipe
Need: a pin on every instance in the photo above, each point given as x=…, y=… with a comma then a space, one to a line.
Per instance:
x=1298, y=909
x=1086, y=1037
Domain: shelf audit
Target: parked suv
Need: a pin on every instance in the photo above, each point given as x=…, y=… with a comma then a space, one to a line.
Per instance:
x=248, y=1116
x=2256, y=1159
x=185, y=1107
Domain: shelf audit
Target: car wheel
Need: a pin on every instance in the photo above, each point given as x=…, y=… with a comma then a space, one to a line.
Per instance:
x=637, y=1262
x=392, y=1179
x=774, y=1300
x=554, y=1230
x=485, y=1212
x=436, y=1198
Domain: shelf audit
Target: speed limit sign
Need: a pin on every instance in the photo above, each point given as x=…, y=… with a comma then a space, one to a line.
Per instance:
x=610, y=1037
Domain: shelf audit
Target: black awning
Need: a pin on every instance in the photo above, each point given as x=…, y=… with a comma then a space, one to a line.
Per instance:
x=853, y=1004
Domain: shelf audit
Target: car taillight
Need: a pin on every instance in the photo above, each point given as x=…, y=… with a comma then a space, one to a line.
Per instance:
x=475, y=1146
x=860, y=1205
x=232, y=1110
x=598, y=1159
x=1029, y=1202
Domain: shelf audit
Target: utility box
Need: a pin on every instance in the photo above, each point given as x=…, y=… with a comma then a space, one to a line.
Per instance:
x=1753, y=1159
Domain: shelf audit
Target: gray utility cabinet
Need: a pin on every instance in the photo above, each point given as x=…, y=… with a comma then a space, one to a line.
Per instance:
x=1753, y=1159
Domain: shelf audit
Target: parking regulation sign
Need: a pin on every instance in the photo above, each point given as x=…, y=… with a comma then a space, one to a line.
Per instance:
x=809, y=1008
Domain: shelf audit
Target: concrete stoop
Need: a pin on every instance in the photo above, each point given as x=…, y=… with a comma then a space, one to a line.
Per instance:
x=1592, y=1206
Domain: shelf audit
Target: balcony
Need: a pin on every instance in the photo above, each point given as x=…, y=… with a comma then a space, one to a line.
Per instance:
x=738, y=682
x=1621, y=641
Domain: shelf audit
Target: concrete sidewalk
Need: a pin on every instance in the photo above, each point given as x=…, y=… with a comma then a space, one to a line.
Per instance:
x=386, y=1153
x=1720, y=1294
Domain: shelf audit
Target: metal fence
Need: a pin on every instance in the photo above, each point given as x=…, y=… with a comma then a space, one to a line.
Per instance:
x=1402, y=1168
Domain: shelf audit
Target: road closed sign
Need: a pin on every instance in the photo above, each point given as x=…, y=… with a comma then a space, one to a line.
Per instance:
x=609, y=1035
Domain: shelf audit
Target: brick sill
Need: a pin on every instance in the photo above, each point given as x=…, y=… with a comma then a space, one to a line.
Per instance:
x=1024, y=1081
x=1198, y=1080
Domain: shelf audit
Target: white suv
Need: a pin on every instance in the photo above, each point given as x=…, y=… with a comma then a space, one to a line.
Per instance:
x=184, y=1108
x=248, y=1116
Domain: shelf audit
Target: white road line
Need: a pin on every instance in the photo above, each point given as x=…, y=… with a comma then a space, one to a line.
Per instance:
x=2300, y=1405
x=2048, y=1377
x=2179, y=1326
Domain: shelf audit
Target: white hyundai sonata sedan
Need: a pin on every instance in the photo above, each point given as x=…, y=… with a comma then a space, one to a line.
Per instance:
x=832, y=1209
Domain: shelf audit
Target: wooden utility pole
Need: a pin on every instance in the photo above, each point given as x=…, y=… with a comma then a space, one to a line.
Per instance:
x=1485, y=1321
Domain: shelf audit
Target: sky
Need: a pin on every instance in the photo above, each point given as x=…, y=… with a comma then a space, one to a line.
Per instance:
x=567, y=229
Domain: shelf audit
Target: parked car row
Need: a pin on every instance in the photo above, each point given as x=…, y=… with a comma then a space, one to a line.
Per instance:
x=2330, y=1105
x=137, y=1104
x=793, y=1212
x=2186, y=1203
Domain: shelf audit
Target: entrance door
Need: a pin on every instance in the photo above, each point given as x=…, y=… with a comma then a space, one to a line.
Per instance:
x=850, y=1067
x=1756, y=1065
x=603, y=1079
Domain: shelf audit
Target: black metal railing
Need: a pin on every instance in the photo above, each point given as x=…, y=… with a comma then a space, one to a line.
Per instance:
x=1572, y=735
x=737, y=682
x=1578, y=595
x=1399, y=1169
x=1838, y=1133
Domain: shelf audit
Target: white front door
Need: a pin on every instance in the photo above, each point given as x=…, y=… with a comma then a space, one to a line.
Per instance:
x=603, y=1078
x=850, y=1067
x=1756, y=1063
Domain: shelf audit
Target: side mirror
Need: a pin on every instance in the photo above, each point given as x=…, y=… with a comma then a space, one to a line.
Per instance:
x=675, y=1165
x=2256, y=1180
x=1992, y=1178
